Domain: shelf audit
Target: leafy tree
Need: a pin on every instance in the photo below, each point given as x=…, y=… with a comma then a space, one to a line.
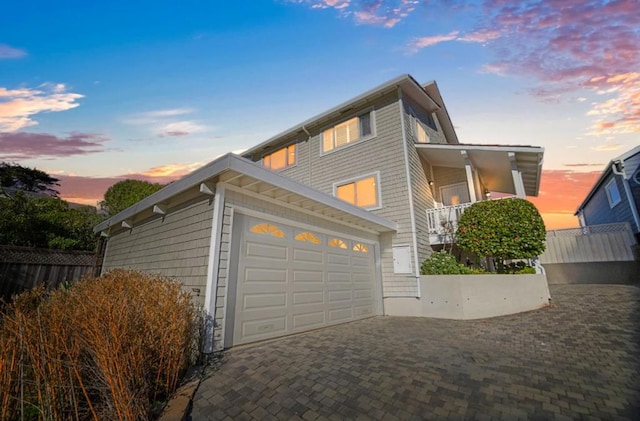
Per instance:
x=502, y=229
x=46, y=222
x=14, y=176
x=126, y=193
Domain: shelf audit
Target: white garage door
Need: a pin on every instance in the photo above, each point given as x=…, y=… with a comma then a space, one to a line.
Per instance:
x=291, y=279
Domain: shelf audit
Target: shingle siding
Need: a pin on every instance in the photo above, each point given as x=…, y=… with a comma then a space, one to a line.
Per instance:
x=436, y=135
x=383, y=153
x=175, y=245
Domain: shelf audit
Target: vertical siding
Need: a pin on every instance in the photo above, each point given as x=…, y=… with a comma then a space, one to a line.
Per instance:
x=599, y=247
x=175, y=245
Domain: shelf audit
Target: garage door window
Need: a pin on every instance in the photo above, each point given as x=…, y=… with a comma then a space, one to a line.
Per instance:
x=360, y=247
x=267, y=229
x=308, y=237
x=336, y=242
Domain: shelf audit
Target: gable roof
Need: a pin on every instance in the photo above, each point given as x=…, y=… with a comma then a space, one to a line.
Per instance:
x=428, y=96
x=242, y=175
x=605, y=174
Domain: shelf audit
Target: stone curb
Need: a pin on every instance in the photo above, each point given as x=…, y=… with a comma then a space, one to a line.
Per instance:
x=179, y=406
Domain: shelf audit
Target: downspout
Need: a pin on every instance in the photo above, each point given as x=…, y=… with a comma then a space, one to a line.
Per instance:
x=213, y=265
x=410, y=184
x=627, y=190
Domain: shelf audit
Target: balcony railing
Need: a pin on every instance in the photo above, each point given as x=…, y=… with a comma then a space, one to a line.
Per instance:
x=443, y=222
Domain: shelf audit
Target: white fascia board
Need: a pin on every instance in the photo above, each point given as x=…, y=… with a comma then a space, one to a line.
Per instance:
x=405, y=81
x=497, y=148
x=198, y=176
x=232, y=162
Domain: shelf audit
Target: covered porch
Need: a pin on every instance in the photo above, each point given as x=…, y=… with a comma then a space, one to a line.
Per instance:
x=462, y=174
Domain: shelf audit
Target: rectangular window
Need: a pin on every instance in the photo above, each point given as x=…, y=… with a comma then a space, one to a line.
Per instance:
x=363, y=192
x=349, y=131
x=421, y=133
x=613, y=194
x=280, y=159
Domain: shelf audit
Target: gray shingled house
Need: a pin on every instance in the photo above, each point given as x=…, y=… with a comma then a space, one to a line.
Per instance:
x=325, y=223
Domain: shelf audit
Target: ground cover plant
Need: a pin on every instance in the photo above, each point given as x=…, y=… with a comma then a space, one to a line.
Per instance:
x=103, y=348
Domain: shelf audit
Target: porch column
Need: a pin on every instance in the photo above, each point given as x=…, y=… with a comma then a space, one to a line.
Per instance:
x=518, y=184
x=469, y=170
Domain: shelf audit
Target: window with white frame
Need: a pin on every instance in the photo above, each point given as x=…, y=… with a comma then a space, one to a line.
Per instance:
x=613, y=194
x=363, y=192
x=421, y=133
x=280, y=159
x=349, y=131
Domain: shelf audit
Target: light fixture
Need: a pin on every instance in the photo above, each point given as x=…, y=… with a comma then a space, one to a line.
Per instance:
x=487, y=193
x=431, y=182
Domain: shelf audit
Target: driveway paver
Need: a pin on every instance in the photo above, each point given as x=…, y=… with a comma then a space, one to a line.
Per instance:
x=577, y=359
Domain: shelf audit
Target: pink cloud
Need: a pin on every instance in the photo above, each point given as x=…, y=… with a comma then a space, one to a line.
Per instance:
x=18, y=106
x=423, y=42
x=385, y=13
x=19, y=146
x=7, y=52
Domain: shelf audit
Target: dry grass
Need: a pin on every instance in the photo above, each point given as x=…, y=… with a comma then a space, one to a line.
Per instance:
x=106, y=348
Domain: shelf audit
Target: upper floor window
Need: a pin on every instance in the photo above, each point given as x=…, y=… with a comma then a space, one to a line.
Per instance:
x=421, y=133
x=280, y=159
x=363, y=192
x=349, y=131
x=613, y=194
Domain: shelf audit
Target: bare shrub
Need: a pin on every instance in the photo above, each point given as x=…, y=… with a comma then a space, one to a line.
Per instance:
x=106, y=348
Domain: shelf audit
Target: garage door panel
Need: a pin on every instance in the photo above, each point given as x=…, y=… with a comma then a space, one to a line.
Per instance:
x=262, y=329
x=266, y=251
x=259, y=275
x=308, y=297
x=338, y=277
x=306, y=321
x=307, y=276
x=257, y=301
x=290, y=283
x=337, y=259
x=340, y=314
x=340, y=296
x=311, y=256
x=364, y=310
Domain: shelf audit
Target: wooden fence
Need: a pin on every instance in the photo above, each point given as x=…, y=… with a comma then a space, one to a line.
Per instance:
x=595, y=243
x=22, y=268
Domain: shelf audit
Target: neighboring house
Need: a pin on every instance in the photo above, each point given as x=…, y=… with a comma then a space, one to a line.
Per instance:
x=615, y=197
x=330, y=222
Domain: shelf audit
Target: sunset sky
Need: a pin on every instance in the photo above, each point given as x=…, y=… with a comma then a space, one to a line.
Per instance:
x=98, y=91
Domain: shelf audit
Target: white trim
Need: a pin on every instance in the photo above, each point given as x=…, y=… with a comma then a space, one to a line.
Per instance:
x=223, y=330
x=295, y=163
x=468, y=169
x=301, y=225
x=376, y=175
x=213, y=265
x=608, y=193
x=374, y=133
x=461, y=183
x=295, y=208
x=412, y=215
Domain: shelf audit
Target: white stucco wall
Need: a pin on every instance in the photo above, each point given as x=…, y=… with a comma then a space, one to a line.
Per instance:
x=465, y=297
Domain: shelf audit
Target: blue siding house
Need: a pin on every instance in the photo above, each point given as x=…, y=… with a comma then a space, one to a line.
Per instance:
x=615, y=197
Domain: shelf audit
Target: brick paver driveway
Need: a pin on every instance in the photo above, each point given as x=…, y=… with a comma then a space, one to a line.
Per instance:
x=578, y=359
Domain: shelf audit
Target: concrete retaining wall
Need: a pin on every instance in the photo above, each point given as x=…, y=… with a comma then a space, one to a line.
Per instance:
x=465, y=297
x=593, y=273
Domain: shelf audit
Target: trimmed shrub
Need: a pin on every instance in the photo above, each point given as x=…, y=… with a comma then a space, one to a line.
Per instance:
x=443, y=263
x=105, y=348
x=502, y=230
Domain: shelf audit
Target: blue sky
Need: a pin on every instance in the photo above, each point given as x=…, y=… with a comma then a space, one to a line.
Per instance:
x=97, y=91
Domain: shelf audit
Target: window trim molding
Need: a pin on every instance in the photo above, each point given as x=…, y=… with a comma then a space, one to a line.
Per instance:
x=374, y=131
x=295, y=164
x=376, y=175
x=609, y=198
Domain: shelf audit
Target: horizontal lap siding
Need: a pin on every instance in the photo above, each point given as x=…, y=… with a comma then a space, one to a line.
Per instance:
x=175, y=245
x=598, y=211
x=444, y=176
x=383, y=153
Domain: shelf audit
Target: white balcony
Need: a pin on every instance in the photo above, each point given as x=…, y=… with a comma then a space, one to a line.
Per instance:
x=443, y=222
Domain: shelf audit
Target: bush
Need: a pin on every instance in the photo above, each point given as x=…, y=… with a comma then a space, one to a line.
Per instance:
x=105, y=348
x=502, y=230
x=443, y=263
